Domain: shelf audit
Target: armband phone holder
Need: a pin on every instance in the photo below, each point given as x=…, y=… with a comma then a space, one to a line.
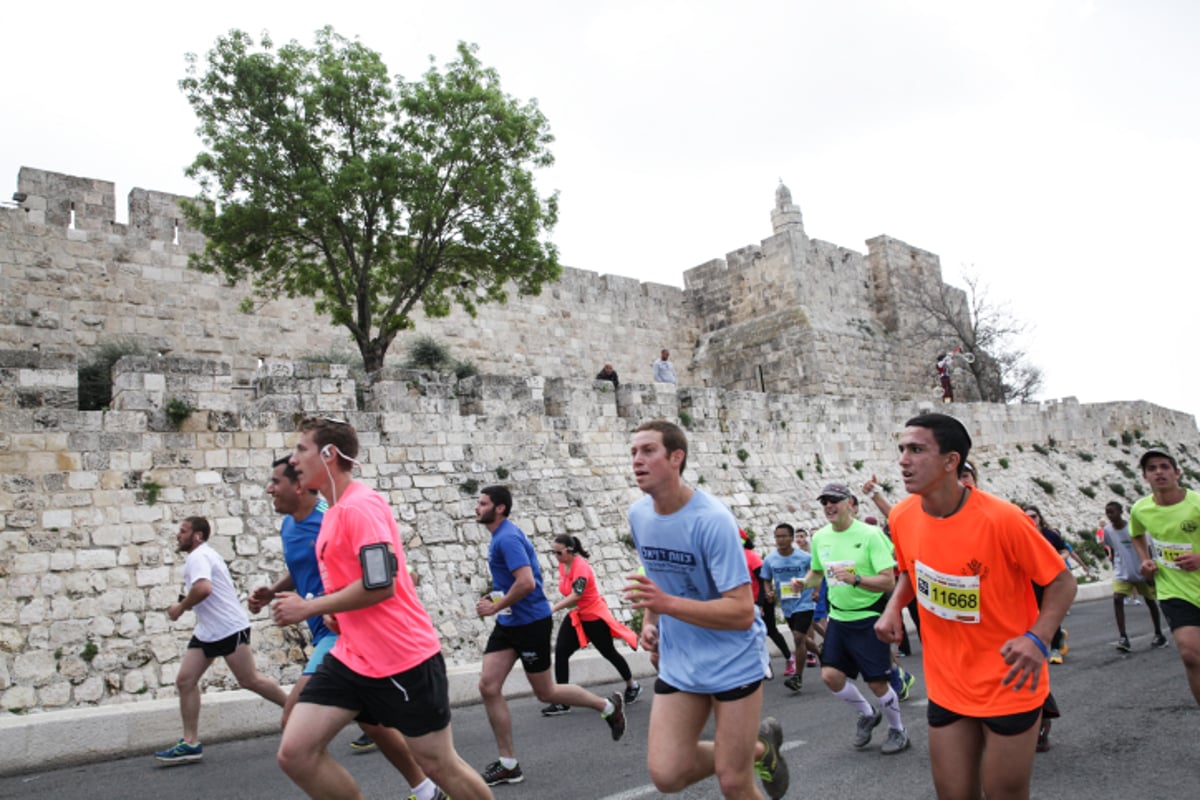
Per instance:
x=378, y=566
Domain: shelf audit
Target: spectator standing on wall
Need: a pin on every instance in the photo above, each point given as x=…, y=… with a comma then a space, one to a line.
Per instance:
x=608, y=374
x=664, y=370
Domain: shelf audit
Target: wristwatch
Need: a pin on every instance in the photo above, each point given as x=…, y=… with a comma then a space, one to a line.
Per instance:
x=857, y=580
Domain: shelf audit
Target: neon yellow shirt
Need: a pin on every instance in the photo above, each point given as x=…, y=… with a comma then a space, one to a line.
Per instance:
x=1171, y=531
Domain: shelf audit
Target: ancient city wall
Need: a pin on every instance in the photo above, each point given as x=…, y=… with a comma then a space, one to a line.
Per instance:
x=89, y=500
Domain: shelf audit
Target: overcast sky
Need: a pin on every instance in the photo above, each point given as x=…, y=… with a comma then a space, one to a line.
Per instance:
x=1049, y=146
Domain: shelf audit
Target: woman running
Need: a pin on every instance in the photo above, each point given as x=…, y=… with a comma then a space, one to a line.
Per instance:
x=589, y=621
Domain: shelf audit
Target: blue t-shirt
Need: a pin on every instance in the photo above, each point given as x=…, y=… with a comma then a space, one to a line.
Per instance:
x=781, y=569
x=510, y=550
x=696, y=553
x=300, y=553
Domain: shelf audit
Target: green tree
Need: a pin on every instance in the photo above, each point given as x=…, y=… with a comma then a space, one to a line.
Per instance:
x=323, y=177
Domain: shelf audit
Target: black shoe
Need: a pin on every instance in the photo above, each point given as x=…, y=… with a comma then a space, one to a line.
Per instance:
x=632, y=693
x=498, y=773
x=1158, y=641
x=362, y=744
x=616, y=720
x=555, y=709
x=795, y=683
x=1123, y=644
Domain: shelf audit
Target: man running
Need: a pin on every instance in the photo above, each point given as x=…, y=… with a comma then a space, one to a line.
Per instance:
x=1127, y=577
x=856, y=560
x=222, y=631
x=699, y=616
x=524, y=622
x=386, y=667
x=1166, y=534
x=303, y=510
x=779, y=568
x=970, y=559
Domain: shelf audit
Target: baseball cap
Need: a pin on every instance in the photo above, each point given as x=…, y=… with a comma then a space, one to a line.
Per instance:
x=1155, y=451
x=835, y=491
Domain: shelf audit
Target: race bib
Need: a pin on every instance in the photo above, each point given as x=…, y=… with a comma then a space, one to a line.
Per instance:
x=1165, y=553
x=830, y=566
x=952, y=597
x=785, y=591
x=504, y=612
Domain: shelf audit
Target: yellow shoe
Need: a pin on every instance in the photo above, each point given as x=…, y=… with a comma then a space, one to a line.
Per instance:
x=1055, y=657
x=1064, y=647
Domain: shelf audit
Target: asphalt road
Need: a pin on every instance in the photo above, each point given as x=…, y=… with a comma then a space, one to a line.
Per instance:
x=1129, y=729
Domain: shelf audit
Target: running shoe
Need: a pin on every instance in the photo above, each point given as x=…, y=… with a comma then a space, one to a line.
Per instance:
x=908, y=680
x=1056, y=657
x=363, y=744
x=772, y=769
x=632, y=693
x=811, y=661
x=896, y=680
x=1064, y=647
x=795, y=683
x=897, y=741
x=768, y=673
x=555, y=709
x=1123, y=644
x=438, y=794
x=1158, y=641
x=616, y=720
x=497, y=773
x=181, y=753
x=790, y=669
x=866, y=726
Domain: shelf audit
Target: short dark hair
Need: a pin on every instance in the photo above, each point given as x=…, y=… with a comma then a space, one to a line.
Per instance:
x=289, y=471
x=336, y=432
x=673, y=437
x=500, y=496
x=1113, y=504
x=791, y=531
x=950, y=434
x=199, y=525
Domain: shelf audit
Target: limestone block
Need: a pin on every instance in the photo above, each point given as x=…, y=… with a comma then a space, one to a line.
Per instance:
x=51, y=584
x=30, y=563
x=155, y=576
x=12, y=639
x=34, y=668
x=95, y=559
x=90, y=691
x=112, y=535
x=19, y=698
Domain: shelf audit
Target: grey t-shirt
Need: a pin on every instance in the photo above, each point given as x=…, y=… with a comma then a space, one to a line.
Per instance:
x=1126, y=564
x=664, y=372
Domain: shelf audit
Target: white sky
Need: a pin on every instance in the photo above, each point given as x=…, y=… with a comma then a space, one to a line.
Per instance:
x=1051, y=146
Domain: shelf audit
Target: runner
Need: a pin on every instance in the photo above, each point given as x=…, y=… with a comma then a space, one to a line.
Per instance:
x=779, y=568
x=222, y=631
x=523, y=626
x=589, y=620
x=1127, y=577
x=699, y=616
x=386, y=667
x=303, y=510
x=1166, y=534
x=970, y=558
x=857, y=561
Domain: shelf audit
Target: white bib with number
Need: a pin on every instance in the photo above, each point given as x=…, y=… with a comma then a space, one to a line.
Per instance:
x=952, y=597
x=1165, y=553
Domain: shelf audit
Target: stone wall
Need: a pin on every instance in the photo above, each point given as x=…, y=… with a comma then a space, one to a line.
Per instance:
x=89, y=501
x=789, y=315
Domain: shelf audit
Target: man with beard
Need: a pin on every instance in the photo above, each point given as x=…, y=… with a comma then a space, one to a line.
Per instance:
x=222, y=631
x=523, y=626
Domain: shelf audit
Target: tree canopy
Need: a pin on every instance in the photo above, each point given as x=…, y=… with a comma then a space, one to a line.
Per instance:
x=322, y=176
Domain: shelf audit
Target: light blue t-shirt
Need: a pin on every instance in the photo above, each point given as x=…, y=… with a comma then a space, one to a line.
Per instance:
x=781, y=569
x=696, y=553
x=511, y=550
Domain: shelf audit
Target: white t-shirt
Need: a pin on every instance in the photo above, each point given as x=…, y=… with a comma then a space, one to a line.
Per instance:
x=219, y=615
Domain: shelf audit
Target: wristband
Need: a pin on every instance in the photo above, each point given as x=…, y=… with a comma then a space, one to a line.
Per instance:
x=1039, y=643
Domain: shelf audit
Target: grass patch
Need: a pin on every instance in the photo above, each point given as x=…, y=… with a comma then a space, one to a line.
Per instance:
x=1044, y=485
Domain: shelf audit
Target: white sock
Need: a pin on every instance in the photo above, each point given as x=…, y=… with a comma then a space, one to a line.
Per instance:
x=508, y=763
x=850, y=694
x=609, y=708
x=426, y=790
x=891, y=709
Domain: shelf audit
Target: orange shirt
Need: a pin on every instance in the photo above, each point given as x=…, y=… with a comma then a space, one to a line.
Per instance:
x=972, y=574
